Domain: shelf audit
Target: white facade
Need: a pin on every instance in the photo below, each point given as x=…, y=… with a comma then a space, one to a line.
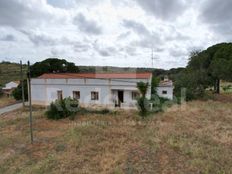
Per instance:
x=165, y=89
x=110, y=91
x=11, y=85
x=165, y=92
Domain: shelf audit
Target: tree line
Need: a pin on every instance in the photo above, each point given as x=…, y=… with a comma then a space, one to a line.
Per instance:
x=205, y=69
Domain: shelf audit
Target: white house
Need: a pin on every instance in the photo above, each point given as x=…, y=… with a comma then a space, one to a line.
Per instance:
x=100, y=89
x=9, y=87
x=165, y=89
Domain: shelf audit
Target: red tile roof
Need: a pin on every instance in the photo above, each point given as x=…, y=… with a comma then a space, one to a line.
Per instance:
x=96, y=76
x=165, y=83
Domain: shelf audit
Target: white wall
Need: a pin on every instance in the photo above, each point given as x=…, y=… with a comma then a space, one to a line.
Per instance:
x=169, y=90
x=44, y=91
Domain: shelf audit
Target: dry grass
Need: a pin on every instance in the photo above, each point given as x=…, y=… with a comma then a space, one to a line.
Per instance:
x=195, y=139
x=5, y=101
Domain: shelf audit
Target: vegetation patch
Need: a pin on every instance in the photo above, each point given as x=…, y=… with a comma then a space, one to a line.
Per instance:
x=194, y=139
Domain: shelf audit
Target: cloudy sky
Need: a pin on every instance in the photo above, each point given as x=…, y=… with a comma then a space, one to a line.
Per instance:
x=112, y=32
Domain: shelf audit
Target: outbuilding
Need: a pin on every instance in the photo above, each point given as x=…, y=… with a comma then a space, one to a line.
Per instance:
x=9, y=87
x=165, y=89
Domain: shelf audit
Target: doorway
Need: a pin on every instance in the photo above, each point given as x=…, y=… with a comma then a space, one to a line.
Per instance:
x=120, y=97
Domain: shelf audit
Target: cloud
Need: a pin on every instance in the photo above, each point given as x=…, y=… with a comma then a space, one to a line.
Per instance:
x=40, y=39
x=136, y=27
x=110, y=32
x=217, y=14
x=81, y=47
x=146, y=38
x=87, y=26
x=104, y=50
x=17, y=13
x=163, y=9
x=61, y=3
x=8, y=37
x=123, y=35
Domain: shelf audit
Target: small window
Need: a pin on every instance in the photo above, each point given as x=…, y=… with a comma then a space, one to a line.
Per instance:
x=135, y=95
x=164, y=92
x=76, y=95
x=59, y=95
x=94, y=95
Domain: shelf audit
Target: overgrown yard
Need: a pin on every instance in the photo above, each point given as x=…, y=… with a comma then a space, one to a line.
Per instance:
x=195, y=139
x=5, y=101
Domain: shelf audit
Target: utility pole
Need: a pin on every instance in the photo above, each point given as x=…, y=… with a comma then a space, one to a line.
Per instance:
x=22, y=82
x=29, y=98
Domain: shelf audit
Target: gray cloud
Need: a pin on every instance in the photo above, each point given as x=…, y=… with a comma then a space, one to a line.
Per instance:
x=163, y=9
x=39, y=39
x=17, y=13
x=131, y=51
x=136, y=27
x=87, y=26
x=147, y=38
x=123, y=35
x=61, y=3
x=81, y=47
x=217, y=14
x=104, y=51
x=8, y=37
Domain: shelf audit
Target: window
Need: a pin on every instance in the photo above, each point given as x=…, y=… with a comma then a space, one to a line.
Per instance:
x=164, y=92
x=59, y=95
x=76, y=95
x=135, y=95
x=94, y=95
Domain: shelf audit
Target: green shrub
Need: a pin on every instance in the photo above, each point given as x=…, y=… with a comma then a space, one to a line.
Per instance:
x=160, y=104
x=17, y=93
x=143, y=106
x=62, y=109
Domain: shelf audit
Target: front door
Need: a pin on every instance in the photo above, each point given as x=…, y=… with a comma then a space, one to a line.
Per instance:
x=120, y=97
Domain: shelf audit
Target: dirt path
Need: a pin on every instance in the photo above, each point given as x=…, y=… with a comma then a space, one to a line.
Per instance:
x=10, y=108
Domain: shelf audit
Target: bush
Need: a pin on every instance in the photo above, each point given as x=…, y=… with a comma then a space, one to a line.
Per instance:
x=62, y=109
x=143, y=106
x=194, y=84
x=159, y=103
x=17, y=93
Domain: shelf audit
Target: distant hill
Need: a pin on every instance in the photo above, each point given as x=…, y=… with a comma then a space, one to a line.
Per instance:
x=10, y=72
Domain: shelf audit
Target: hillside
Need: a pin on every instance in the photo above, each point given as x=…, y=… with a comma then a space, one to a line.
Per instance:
x=10, y=72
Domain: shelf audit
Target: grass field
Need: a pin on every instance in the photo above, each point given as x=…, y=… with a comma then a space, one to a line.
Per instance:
x=10, y=72
x=5, y=101
x=195, y=139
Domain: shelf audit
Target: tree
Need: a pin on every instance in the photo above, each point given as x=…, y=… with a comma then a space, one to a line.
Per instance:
x=17, y=93
x=154, y=84
x=142, y=87
x=142, y=101
x=193, y=81
x=216, y=62
x=53, y=65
